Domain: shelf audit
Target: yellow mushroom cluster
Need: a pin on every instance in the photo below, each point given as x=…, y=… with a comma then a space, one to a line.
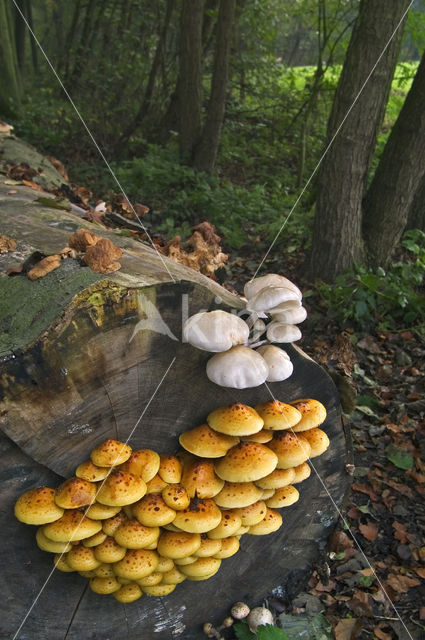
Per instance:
x=134, y=521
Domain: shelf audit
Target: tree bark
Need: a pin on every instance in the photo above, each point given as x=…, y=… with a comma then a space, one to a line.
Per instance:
x=416, y=217
x=206, y=151
x=397, y=177
x=190, y=77
x=9, y=69
x=337, y=233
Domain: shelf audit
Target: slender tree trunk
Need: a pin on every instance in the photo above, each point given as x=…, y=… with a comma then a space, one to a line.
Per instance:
x=397, y=177
x=206, y=150
x=337, y=239
x=147, y=98
x=416, y=218
x=10, y=79
x=190, y=77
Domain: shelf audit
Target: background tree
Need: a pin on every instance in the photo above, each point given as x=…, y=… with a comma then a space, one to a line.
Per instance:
x=337, y=234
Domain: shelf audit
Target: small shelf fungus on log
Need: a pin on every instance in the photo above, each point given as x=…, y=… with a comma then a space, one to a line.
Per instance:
x=153, y=521
x=242, y=360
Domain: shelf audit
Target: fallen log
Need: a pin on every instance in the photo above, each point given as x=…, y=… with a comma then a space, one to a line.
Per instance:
x=87, y=356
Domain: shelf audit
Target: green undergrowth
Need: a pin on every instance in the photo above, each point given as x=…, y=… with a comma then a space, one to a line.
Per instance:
x=388, y=299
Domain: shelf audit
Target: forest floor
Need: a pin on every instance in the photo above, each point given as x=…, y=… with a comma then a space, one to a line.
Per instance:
x=371, y=585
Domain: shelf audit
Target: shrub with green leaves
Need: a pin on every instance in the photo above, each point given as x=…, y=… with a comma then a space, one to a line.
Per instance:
x=363, y=297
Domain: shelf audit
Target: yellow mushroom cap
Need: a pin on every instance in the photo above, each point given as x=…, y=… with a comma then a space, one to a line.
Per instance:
x=164, y=564
x=200, y=516
x=61, y=564
x=278, y=415
x=246, y=462
x=318, y=440
x=291, y=449
x=270, y=523
x=159, y=589
x=136, y=564
x=152, y=511
x=207, y=443
x=109, y=551
x=91, y=472
x=235, y=420
x=202, y=567
x=277, y=479
x=73, y=525
x=38, y=506
x=312, y=411
x=48, y=545
x=133, y=535
x=110, y=453
x=262, y=437
x=174, y=576
x=229, y=524
x=302, y=472
x=121, y=488
x=128, y=593
x=156, y=485
x=176, y=497
x=237, y=494
x=252, y=514
x=170, y=468
x=75, y=493
x=200, y=481
x=283, y=497
x=177, y=545
x=104, y=585
x=81, y=558
x=142, y=462
x=150, y=580
x=94, y=540
x=209, y=547
x=97, y=511
x=104, y=570
x=229, y=546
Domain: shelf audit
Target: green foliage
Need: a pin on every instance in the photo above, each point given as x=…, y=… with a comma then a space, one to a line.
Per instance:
x=363, y=297
x=180, y=197
x=399, y=457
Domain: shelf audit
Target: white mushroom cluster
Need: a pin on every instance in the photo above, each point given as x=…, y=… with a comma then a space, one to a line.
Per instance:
x=241, y=361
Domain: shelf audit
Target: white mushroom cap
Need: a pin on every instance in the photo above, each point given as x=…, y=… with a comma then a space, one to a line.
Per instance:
x=252, y=287
x=215, y=330
x=279, y=332
x=270, y=297
x=278, y=362
x=239, y=368
x=290, y=316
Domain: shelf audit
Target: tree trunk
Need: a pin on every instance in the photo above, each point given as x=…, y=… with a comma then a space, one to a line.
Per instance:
x=416, y=217
x=337, y=239
x=10, y=79
x=190, y=77
x=397, y=177
x=79, y=363
x=207, y=148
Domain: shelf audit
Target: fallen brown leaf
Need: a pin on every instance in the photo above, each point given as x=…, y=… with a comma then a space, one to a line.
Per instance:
x=381, y=634
x=369, y=530
x=360, y=604
x=347, y=629
x=401, y=584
